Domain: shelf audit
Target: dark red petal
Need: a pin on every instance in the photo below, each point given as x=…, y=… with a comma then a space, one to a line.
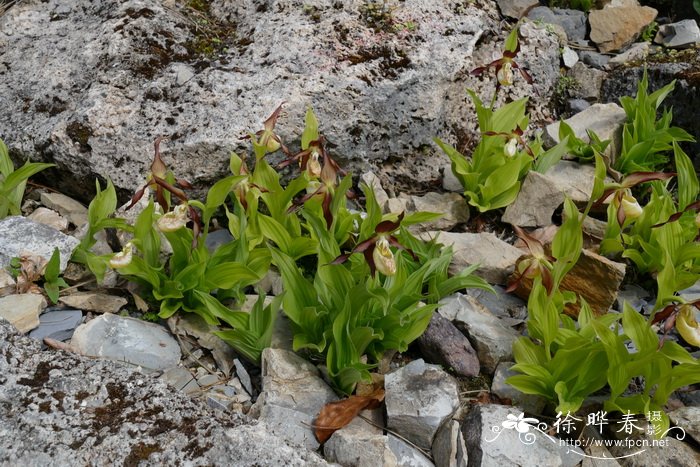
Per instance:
x=137, y=197
x=606, y=193
x=526, y=76
x=327, y=214
x=534, y=246
x=478, y=71
x=160, y=198
x=547, y=280
x=362, y=247
x=341, y=259
x=182, y=183
x=369, y=257
x=269, y=124
x=389, y=226
x=393, y=241
x=621, y=215
x=174, y=190
x=636, y=178
x=664, y=313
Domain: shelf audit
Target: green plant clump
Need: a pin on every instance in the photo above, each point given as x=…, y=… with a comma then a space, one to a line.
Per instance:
x=13, y=182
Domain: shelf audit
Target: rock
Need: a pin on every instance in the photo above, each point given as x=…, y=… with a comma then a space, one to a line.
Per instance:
x=452, y=206
x=638, y=51
x=442, y=343
x=678, y=35
x=293, y=394
x=541, y=195
x=407, y=455
x=359, y=444
x=634, y=295
x=49, y=217
x=673, y=452
x=181, y=379
x=63, y=409
x=516, y=8
x=69, y=208
x=419, y=398
x=593, y=59
x=504, y=305
x=20, y=236
x=449, y=449
x=572, y=21
x=569, y=57
x=57, y=324
x=687, y=418
x=450, y=182
x=575, y=106
x=22, y=311
x=614, y=28
x=605, y=120
x=528, y=402
x=489, y=444
x=588, y=82
x=217, y=238
x=243, y=376
x=495, y=257
x=194, y=325
x=93, y=301
x=492, y=339
x=7, y=283
x=375, y=184
x=594, y=277
x=127, y=340
x=343, y=62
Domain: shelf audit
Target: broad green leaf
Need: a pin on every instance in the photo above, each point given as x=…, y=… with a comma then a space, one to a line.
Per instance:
x=688, y=186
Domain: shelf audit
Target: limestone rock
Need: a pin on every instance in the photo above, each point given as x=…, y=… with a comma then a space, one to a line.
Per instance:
x=450, y=182
x=678, y=35
x=359, y=444
x=452, y=206
x=674, y=452
x=7, y=283
x=375, y=184
x=22, y=310
x=69, y=208
x=588, y=82
x=541, y=195
x=63, y=409
x=573, y=21
x=449, y=449
x=516, y=8
x=605, y=120
x=128, y=71
x=442, y=343
x=292, y=396
x=593, y=59
x=127, y=340
x=407, y=455
x=20, y=236
x=93, y=301
x=614, y=28
x=495, y=257
x=492, y=339
x=638, y=51
x=687, y=418
x=194, y=326
x=504, y=305
x=569, y=57
x=419, y=398
x=49, y=217
x=594, y=277
x=528, y=402
x=57, y=324
x=489, y=447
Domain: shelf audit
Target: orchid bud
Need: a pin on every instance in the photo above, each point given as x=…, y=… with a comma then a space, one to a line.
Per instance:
x=313, y=166
x=123, y=258
x=687, y=326
x=511, y=147
x=383, y=258
x=631, y=207
x=505, y=74
x=174, y=220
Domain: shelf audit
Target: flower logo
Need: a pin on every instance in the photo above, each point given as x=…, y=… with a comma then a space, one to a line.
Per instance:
x=520, y=423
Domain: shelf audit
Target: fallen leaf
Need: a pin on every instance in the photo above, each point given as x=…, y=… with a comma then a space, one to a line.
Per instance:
x=335, y=415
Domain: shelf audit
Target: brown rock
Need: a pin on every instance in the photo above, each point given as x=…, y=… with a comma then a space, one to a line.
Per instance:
x=444, y=344
x=97, y=302
x=614, y=28
x=594, y=277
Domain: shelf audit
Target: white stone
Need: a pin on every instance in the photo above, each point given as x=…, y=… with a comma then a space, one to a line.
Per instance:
x=49, y=217
x=22, y=310
x=679, y=35
x=127, y=340
x=495, y=257
x=419, y=398
x=69, y=208
x=569, y=57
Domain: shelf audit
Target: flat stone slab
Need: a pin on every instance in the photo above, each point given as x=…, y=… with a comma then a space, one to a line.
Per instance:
x=57, y=324
x=66, y=410
x=20, y=236
x=22, y=310
x=127, y=340
x=97, y=302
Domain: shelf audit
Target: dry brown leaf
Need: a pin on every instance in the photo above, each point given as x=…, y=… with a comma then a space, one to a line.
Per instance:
x=335, y=415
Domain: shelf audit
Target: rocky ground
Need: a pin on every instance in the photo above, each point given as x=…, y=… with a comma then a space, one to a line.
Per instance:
x=113, y=388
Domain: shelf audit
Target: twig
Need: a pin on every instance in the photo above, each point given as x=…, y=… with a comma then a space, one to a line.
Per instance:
x=189, y=354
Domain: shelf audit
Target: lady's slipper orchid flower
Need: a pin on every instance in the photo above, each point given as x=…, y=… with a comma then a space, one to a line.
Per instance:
x=537, y=263
x=175, y=219
x=505, y=65
x=123, y=258
x=376, y=249
x=687, y=325
x=620, y=194
x=267, y=138
x=513, y=139
x=511, y=147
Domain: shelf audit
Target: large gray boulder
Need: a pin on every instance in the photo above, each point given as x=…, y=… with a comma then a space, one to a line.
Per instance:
x=89, y=84
x=60, y=409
